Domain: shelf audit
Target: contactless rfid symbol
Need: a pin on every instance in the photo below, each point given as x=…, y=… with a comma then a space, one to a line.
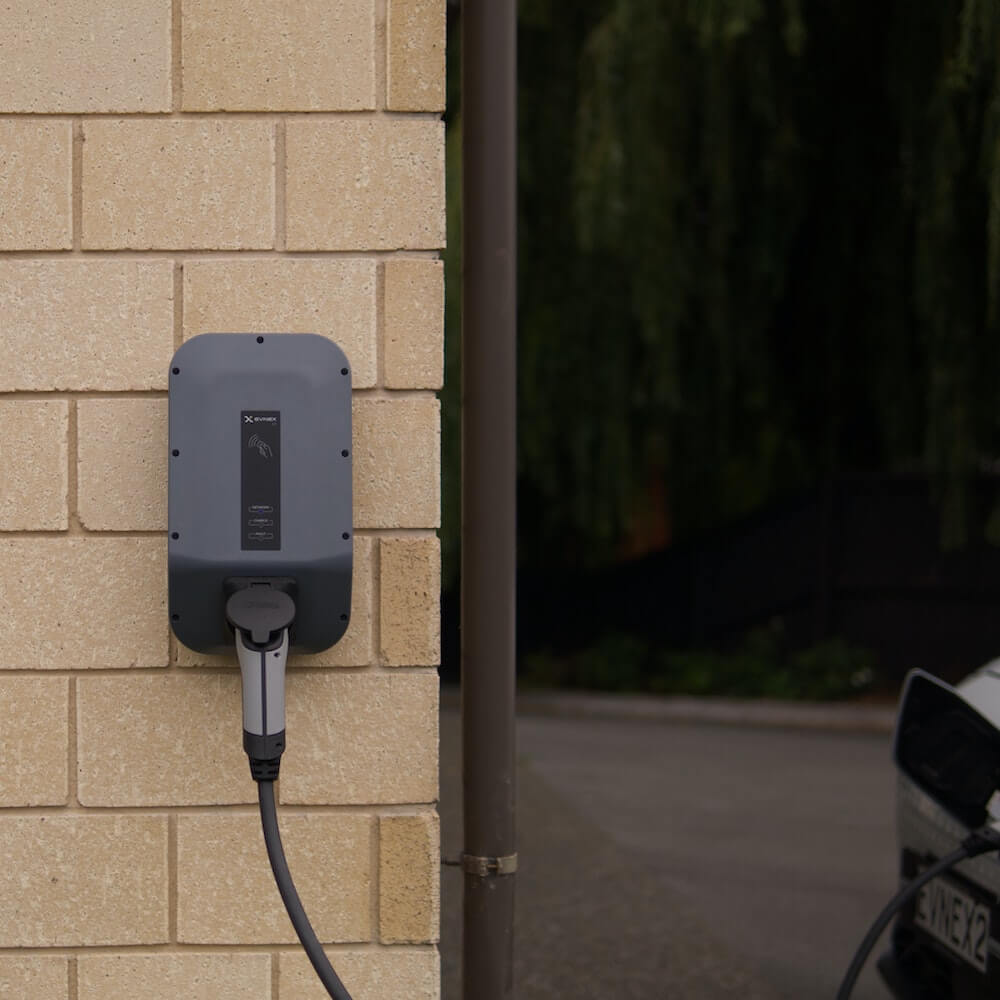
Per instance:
x=262, y=446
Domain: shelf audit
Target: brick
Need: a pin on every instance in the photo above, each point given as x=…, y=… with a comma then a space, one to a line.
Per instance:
x=69, y=881
x=232, y=976
x=260, y=55
x=416, y=32
x=409, y=878
x=335, y=298
x=414, y=324
x=37, y=978
x=226, y=892
x=377, y=974
x=36, y=192
x=373, y=184
x=162, y=740
x=354, y=650
x=122, y=464
x=397, y=466
x=85, y=324
x=361, y=738
x=81, y=56
x=70, y=603
x=34, y=741
x=177, y=185
x=410, y=611
x=34, y=475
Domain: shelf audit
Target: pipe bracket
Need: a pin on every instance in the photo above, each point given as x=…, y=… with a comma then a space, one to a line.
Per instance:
x=489, y=867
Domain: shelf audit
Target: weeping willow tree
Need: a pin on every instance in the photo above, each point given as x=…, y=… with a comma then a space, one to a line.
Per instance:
x=759, y=248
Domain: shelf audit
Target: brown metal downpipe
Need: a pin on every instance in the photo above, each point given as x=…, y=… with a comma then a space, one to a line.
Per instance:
x=489, y=415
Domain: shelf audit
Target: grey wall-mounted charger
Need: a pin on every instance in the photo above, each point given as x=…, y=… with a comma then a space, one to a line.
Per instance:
x=260, y=481
x=260, y=532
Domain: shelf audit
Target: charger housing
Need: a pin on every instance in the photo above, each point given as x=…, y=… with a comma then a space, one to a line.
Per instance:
x=259, y=485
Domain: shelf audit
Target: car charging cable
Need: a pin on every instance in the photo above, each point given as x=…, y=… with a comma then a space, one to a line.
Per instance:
x=260, y=618
x=981, y=841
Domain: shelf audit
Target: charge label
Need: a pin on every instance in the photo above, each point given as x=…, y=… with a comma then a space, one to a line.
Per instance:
x=260, y=514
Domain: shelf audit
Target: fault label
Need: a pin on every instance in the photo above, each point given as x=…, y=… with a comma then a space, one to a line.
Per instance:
x=260, y=435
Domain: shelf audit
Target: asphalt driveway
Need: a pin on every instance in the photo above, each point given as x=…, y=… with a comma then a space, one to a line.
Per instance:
x=672, y=860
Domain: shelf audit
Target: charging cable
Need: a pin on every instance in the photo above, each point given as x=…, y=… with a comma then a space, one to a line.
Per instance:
x=261, y=617
x=276, y=855
x=981, y=841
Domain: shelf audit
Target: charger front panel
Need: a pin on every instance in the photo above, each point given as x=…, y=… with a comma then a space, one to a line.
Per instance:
x=259, y=481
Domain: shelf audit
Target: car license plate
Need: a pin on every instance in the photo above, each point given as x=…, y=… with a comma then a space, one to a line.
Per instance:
x=954, y=918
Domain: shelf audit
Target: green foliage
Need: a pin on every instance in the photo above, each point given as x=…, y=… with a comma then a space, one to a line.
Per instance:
x=759, y=667
x=760, y=247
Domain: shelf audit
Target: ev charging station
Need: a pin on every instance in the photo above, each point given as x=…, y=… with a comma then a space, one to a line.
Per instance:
x=260, y=532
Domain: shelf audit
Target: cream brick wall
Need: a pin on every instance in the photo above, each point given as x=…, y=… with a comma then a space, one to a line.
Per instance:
x=82, y=323
x=262, y=55
x=77, y=879
x=66, y=56
x=34, y=742
x=36, y=192
x=416, y=55
x=34, y=475
x=391, y=173
x=220, y=870
x=403, y=972
x=169, y=168
x=233, y=976
x=38, y=978
x=409, y=872
x=178, y=184
x=414, y=324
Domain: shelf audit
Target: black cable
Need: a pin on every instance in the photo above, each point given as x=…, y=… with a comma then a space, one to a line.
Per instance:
x=982, y=841
x=276, y=855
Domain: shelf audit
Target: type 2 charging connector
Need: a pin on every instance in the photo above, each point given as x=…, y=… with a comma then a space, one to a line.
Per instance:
x=260, y=536
x=261, y=615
